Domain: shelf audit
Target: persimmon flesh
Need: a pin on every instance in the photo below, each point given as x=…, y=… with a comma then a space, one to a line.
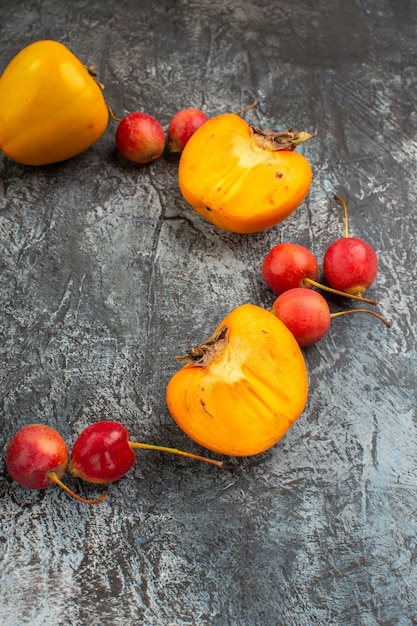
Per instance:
x=240, y=178
x=241, y=391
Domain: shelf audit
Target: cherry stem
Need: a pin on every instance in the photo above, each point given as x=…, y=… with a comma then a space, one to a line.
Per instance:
x=54, y=478
x=312, y=282
x=112, y=114
x=148, y=446
x=345, y=211
x=248, y=108
x=340, y=313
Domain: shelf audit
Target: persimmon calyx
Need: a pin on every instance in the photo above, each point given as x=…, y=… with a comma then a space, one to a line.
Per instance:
x=92, y=71
x=203, y=354
x=279, y=140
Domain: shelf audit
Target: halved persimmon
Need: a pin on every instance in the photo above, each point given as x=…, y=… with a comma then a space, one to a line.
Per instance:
x=241, y=390
x=241, y=178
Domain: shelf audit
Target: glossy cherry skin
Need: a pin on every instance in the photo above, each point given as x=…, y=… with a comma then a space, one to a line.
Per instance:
x=101, y=453
x=287, y=265
x=34, y=451
x=182, y=126
x=350, y=264
x=305, y=313
x=140, y=138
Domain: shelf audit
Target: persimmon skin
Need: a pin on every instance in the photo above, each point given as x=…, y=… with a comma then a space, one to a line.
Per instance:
x=249, y=395
x=235, y=183
x=51, y=108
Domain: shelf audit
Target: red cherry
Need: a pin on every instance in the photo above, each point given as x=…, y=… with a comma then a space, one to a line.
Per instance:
x=140, y=138
x=103, y=453
x=33, y=453
x=289, y=266
x=307, y=315
x=37, y=457
x=182, y=126
x=350, y=264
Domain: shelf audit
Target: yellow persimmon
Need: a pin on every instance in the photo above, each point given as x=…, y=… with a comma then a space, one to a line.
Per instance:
x=51, y=107
x=241, y=390
x=241, y=178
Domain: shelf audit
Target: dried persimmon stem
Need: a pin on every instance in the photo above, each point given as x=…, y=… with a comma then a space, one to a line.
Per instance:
x=203, y=354
x=279, y=140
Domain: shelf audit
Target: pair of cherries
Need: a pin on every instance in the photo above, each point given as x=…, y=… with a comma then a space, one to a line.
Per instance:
x=141, y=139
x=350, y=266
x=37, y=456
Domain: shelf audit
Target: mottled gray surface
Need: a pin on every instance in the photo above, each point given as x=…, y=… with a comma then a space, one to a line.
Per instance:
x=106, y=275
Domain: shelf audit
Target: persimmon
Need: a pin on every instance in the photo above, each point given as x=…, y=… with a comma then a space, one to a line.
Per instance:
x=241, y=178
x=51, y=106
x=240, y=391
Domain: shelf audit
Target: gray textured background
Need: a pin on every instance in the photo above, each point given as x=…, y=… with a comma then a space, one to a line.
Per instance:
x=106, y=275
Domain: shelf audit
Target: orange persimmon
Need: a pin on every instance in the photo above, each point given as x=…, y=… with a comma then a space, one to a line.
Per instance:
x=241, y=178
x=241, y=390
x=51, y=106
